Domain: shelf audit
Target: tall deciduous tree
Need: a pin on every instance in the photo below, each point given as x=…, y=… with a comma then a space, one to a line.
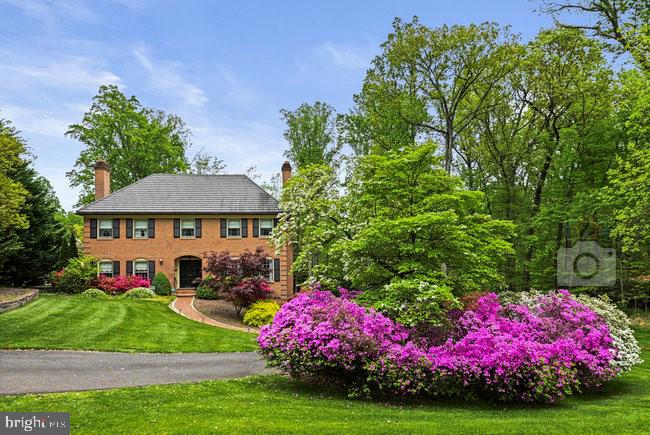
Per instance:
x=401, y=217
x=12, y=193
x=312, y=134
x=435, y=81
x=135, y=140
x=624, y=25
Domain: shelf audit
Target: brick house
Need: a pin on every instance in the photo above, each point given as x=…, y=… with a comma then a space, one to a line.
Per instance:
x=167, y=222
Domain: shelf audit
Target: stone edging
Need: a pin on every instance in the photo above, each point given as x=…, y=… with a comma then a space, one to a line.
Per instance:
x=197, y=316
x=12, y=305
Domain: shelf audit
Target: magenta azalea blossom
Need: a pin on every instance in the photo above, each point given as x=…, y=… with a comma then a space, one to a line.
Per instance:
x=505, y=352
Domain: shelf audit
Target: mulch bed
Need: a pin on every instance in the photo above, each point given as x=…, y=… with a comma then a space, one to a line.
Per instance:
x=221, y=311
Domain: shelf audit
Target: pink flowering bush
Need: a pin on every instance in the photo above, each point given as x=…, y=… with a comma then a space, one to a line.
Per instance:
x=501, y=351
x=121, y=283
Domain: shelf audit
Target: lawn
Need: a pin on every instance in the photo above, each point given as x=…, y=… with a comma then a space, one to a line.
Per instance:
x=73, y=322
x=273, y=404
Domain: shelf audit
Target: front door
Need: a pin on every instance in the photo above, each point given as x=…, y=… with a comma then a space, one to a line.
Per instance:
x=190, y=271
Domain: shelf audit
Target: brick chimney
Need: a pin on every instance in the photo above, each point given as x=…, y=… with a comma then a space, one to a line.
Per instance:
x=102, y=179
x=286, y=172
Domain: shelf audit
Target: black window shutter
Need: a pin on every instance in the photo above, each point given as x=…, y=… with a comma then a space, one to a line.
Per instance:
x=116, y=228
x=276, y=269
x=129, y=228
x=256, y=227
x=198, y=224
x=275, y=222
x=116, y=268
x=152, y=269
x=129, y=267
x=224, y=222
x=151, y=230
x=93, y=228
x=177, y=228
x=244, y=227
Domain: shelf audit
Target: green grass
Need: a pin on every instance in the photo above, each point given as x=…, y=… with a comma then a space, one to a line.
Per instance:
x=117, y=324
x=273, y=404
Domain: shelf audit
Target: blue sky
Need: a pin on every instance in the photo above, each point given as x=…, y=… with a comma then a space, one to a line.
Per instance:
x=227, y=68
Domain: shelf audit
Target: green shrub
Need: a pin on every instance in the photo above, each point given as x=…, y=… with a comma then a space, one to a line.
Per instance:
x=94, y=293
x=412, y=302
x=161, y=284
x=139, y=293
x=206, y=290
x=261, y=313
x=76, y=277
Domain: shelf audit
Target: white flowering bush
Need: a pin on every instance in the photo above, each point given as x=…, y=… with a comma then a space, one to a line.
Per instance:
x=629, y=352
x=619, y=328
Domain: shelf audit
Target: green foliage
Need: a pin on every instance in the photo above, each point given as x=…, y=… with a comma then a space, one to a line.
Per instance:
x=161, y=284
x=139, y=293
x=31, y=253
x=76, y=276
x=312, y=134
x=94, y=293
x=206, y=291
x=261, y=313
x=136, y=141
x=401, y=217
x=412, y=302
x=12, y=193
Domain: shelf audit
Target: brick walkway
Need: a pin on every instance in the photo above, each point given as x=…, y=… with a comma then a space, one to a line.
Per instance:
x=184, y=305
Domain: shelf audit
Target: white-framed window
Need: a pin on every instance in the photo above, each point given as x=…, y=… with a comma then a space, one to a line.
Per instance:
x=141, y=268
x=105, y=228
x=105, y=268
x=269, y=265
x=234, y=227
x=266, y=227
x=187, y=228
x=140, y=228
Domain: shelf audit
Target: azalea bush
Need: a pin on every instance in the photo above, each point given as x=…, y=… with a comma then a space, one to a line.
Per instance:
x=76, y=276
x=121, y=283
x=506, y=351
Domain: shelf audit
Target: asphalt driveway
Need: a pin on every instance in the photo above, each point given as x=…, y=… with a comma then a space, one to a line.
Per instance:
x=35, y=371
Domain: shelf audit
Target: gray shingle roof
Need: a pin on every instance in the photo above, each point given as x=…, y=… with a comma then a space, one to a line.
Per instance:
x=187, y=194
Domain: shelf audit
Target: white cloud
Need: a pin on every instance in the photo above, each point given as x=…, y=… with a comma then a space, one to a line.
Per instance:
x=166, y=76
x=62, y=72
x=346, y=56
x=50, y=12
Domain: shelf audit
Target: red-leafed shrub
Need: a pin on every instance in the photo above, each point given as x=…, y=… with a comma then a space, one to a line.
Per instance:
x=120, y=284
x=248, y=290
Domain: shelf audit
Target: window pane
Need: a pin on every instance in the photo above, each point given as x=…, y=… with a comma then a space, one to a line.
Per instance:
x=141, y=269
x=234, y=227
x=266, y=227
x=106, y=268
x=140, y=228
x=187, y=227
x=269, y=265
x=105, y=228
